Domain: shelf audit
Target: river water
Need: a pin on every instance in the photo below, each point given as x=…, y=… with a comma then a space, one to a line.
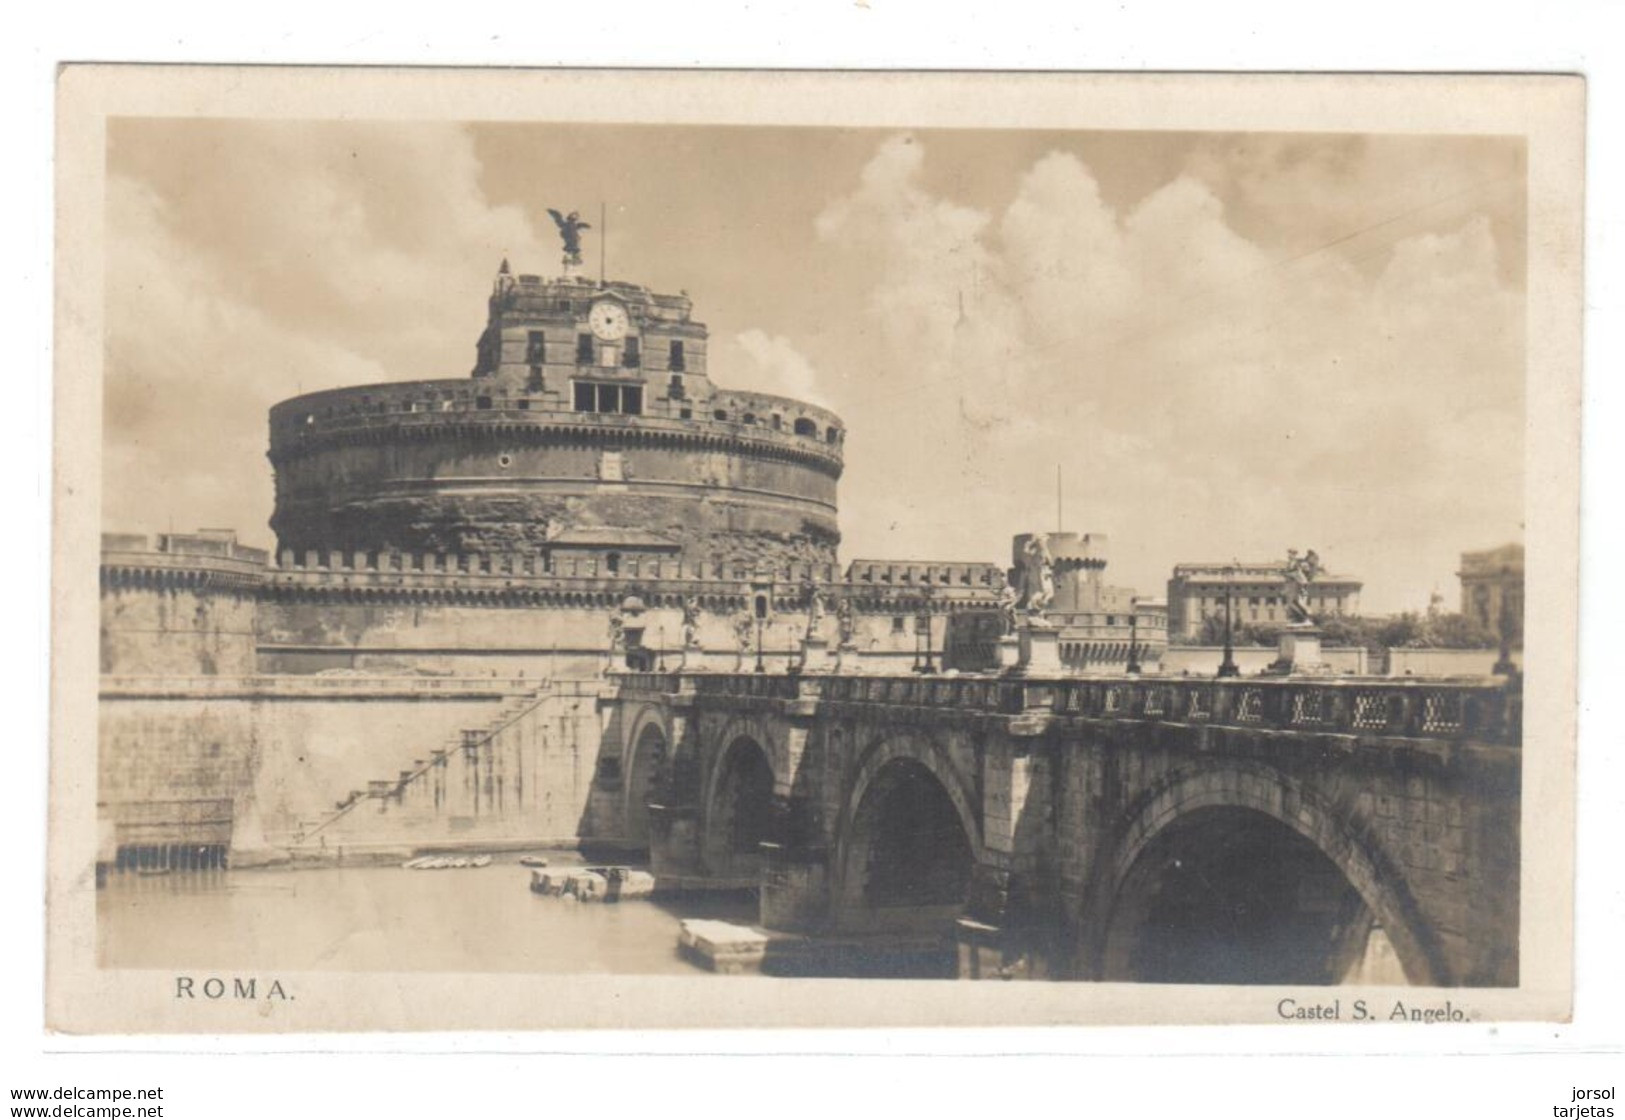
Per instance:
x=388, y=919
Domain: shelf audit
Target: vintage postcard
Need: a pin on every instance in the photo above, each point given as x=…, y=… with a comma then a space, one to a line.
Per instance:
x=682, y=549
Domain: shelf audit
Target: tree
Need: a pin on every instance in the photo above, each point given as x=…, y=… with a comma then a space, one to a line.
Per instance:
x=1457, y=631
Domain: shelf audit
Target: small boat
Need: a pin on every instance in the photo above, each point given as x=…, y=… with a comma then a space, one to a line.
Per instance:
x=442, y=863
x=533, y=861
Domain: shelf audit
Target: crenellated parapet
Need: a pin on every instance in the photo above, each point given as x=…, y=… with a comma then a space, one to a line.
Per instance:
x=533, y=580
x=205, y=562
x=924, y=574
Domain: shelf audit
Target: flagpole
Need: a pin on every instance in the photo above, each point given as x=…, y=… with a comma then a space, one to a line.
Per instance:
x=603, y=240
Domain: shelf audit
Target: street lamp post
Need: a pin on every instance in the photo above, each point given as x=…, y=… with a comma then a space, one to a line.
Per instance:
x=1503, y=666
x=761, y=666
x=1227, y=667
x=922, y=640
x=1133, y=666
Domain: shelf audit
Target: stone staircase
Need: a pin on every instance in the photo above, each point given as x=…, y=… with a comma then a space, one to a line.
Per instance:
x=428, y=789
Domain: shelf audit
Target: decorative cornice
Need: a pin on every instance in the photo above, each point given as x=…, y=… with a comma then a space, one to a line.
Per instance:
x=522, y=427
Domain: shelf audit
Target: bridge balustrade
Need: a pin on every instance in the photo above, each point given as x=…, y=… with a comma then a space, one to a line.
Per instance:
x=1460, y=709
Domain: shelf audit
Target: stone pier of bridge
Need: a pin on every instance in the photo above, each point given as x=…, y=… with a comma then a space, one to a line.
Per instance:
x=1173, y=830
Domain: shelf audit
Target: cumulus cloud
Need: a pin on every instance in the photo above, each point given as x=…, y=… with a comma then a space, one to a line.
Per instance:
x=1201, y=393
x=247, y=262
x=776, y=366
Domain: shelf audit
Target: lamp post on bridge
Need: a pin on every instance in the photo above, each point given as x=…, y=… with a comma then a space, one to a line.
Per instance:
x=1503, y=666
x=1133, y=667
x=761, y=615
x=1227, y=667
x=922, y=637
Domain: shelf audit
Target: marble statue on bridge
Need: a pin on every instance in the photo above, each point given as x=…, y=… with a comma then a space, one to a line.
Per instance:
x=1039, y=580
x=1299, y=573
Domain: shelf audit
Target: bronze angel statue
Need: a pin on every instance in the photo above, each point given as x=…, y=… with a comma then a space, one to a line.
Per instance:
x=570, y=227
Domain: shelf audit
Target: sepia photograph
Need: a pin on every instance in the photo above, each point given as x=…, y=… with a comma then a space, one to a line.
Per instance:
x=602, y=536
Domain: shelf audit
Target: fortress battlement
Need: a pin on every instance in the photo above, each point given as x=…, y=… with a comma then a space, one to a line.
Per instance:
x=754, y=424
x=659, y=581
x=207, y=560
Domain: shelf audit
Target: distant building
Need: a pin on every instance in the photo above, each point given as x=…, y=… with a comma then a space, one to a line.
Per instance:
x=1492, y=583
x=1257, y=595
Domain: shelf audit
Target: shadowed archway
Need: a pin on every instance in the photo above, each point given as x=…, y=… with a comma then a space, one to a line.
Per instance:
x=1231, y=896
x=642, y=781
x=1226, y=877
x=907, y=853
x=739, y=813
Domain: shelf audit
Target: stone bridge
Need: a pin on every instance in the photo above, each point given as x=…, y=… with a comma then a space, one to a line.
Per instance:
x=1175, y=830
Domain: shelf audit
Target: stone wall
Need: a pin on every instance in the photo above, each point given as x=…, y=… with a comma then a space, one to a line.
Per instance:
x=1204, y=661
x=177, y=630
x=272, y=773
x=1446, y=662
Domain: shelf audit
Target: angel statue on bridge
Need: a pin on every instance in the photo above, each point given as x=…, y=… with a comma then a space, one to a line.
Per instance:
x=1039, y=579
x=815, y=610
x=691, y=622
x=845, y=622
x=570, y=227
x=1299, y=573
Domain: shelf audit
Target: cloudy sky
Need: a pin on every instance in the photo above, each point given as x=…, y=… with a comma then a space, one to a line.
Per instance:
x=1227, y=345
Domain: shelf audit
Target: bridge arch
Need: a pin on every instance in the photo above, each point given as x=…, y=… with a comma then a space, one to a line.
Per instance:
x=647, y=755
x=739, y=806
x=908, y=839
x=1290, y=882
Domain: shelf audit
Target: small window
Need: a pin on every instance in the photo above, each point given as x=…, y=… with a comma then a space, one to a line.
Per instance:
x=686, y=413
x=778, y=421
x=833, y=435
x=563, y=305
x=674, y=389
x=536, y=348
x=536, y=382
x=719, y=414
x=586, y=396
x=583, y=349
x=632, y=400
x=612, y=563
x=748, y=418
x=632, y=356
x=609, y=398
x=524, y=406
x=898, y=624
x=482, y=402
x=676, y=361
x=805, y=427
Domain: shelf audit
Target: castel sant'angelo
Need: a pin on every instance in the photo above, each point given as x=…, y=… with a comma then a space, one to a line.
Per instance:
x=453, y=553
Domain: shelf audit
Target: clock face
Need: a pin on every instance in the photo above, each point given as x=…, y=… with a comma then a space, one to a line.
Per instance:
x=607, y=320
